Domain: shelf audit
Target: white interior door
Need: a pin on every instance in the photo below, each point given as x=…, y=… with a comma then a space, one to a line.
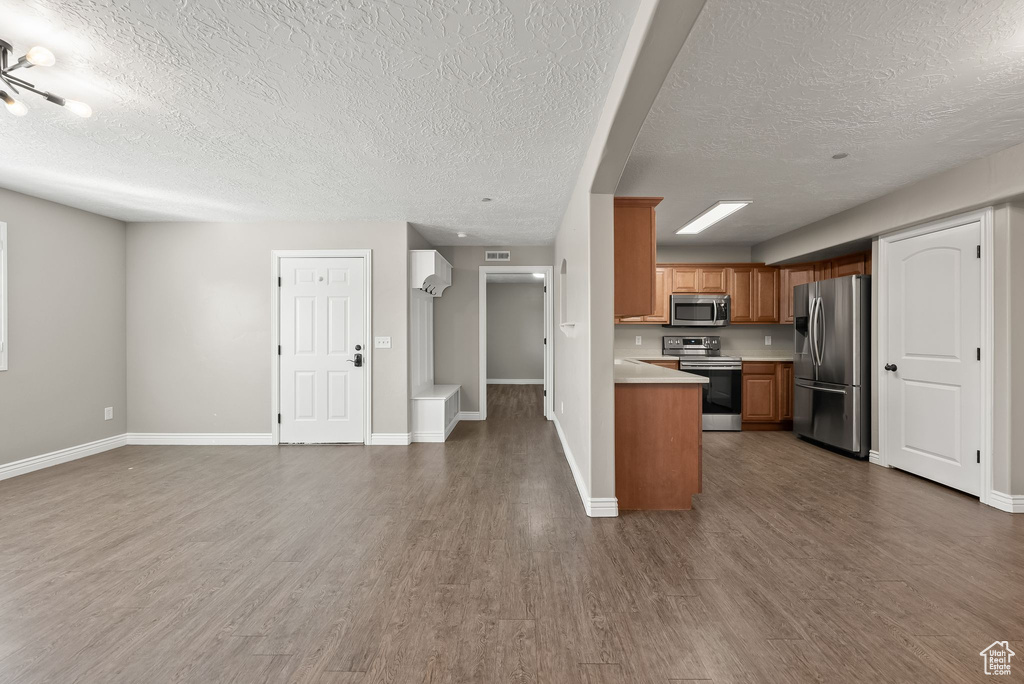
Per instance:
x=933, y=378
x=323, y=341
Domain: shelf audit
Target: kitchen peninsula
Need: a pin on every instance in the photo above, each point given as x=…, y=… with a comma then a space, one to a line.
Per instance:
x=657, y=436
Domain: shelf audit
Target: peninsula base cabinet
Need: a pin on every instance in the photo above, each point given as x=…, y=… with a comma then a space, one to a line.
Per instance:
x=767, y=395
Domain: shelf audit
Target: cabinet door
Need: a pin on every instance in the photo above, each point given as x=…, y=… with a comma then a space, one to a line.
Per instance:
x=635, y=245
x=661, y=296
x=854, y=264
x=684, y=279
x=792, y=276
x=823, y=270
x=741, y=291
x=785, y=391
x=712, y=280
x=765, y=308
x=629, y=319
x=760, y=393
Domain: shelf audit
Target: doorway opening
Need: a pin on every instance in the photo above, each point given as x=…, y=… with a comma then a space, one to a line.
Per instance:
x=515, y=338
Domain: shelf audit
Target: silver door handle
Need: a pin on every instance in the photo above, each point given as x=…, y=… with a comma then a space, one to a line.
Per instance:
x=821, y=389
x=820, y=339
x=811, y=335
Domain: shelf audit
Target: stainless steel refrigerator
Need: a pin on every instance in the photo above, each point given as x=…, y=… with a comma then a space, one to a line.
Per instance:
x=831, y=363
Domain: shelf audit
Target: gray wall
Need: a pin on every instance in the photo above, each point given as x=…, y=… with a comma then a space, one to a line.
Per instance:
x=457, y=317
x=515, y=331
x=67, y=328
x=199, y=308
x=703, y=254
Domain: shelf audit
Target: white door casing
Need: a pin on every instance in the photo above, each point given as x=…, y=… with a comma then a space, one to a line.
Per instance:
x=322, y=322
x=934, y=337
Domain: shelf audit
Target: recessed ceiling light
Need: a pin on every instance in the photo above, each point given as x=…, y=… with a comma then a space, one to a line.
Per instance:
x=841, y=155
x=462, y=235
x=486, y=199
x=712, y=215
x=538, y=275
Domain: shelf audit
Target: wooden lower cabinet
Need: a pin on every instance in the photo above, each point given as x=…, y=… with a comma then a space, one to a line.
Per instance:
x=767, y=394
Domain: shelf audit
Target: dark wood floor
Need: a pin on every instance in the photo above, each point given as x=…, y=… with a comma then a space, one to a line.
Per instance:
x=472, y=561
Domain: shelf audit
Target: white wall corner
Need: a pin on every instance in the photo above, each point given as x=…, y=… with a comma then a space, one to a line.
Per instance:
x=32, y=463
x=595, y=508
x=1011, y=503
x=391, y=438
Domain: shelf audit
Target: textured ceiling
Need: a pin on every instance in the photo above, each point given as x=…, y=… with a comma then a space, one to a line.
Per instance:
x=267, y=109
x=764, y=92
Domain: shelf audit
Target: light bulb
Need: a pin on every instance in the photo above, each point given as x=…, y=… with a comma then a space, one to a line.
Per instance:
x=13, y=106
x=40, y=56
x=80, y=108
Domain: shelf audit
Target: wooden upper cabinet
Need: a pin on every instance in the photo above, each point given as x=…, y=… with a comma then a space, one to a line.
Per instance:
x=635, y=255
x=854, y=264
x=741, y=293
x=823, y=270
x=661, y=296
x=712, y=280
x=684, y=279
x=700, y=279
x=754, y=292
x=790, y=277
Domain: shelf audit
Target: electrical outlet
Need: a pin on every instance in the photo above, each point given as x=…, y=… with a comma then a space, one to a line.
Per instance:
x=108, y=413
x=767, y=340
x=382, y=342
x=639, y=340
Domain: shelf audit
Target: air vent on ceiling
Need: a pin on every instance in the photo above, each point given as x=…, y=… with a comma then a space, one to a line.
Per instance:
x=498, y=255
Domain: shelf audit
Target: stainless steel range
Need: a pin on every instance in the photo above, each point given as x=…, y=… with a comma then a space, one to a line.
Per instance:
x=703, y=356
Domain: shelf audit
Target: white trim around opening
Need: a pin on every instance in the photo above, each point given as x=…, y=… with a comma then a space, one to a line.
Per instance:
x=275, y=309
x=985, y=217
x=548, y=342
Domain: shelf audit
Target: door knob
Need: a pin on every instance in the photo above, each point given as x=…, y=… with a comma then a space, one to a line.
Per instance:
x=890, y=367
x=358, y=361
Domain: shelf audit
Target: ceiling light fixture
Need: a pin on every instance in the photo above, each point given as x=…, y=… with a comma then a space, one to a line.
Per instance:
x=712, y=215
x=37, y=56
x=841, y=155
x=462, y=235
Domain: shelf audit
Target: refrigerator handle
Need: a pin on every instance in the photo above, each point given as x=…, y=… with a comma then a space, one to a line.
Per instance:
x=820, y=338
x=812, y=331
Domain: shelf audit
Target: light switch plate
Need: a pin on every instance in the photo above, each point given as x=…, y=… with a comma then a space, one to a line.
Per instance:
x=108, y=413
x=382, y=342
x=767, y=340
x=639, y=340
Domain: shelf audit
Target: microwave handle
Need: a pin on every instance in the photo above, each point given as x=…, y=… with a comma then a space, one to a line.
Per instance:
x=714, y=309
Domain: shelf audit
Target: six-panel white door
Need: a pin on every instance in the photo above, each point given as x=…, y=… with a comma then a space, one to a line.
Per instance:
x=933, y=375
x=322, y=319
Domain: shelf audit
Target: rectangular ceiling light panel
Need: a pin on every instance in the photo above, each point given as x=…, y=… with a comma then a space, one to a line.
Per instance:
x=711, y=216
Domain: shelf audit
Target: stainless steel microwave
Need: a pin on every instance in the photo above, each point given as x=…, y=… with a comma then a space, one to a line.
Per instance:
x=700, y=311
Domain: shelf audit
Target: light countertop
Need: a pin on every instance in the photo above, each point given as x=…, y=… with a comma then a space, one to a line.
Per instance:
x=636, y=370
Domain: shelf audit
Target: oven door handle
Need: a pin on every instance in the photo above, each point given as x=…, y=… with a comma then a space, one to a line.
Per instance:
x=816, y=388
x=704, y=366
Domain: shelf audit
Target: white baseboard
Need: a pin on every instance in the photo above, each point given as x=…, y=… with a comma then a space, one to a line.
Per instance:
x=391, y=438
x=595, y=508
x=1011, y=503
x=469, y=415
x=515, y=382
x=27, y=465
x=201, y=438
x=876, y=458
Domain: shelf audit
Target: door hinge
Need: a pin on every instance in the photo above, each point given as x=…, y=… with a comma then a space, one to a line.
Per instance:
x=979, y=455
x=979, y=251
x=545, y=340
x=279, y=281
x=545, y=393
x=278, y=350
x=545, y=288
x=979, y=353
x=278, y=418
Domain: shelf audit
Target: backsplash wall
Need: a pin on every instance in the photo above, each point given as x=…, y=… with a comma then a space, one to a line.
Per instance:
x=748, y=338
